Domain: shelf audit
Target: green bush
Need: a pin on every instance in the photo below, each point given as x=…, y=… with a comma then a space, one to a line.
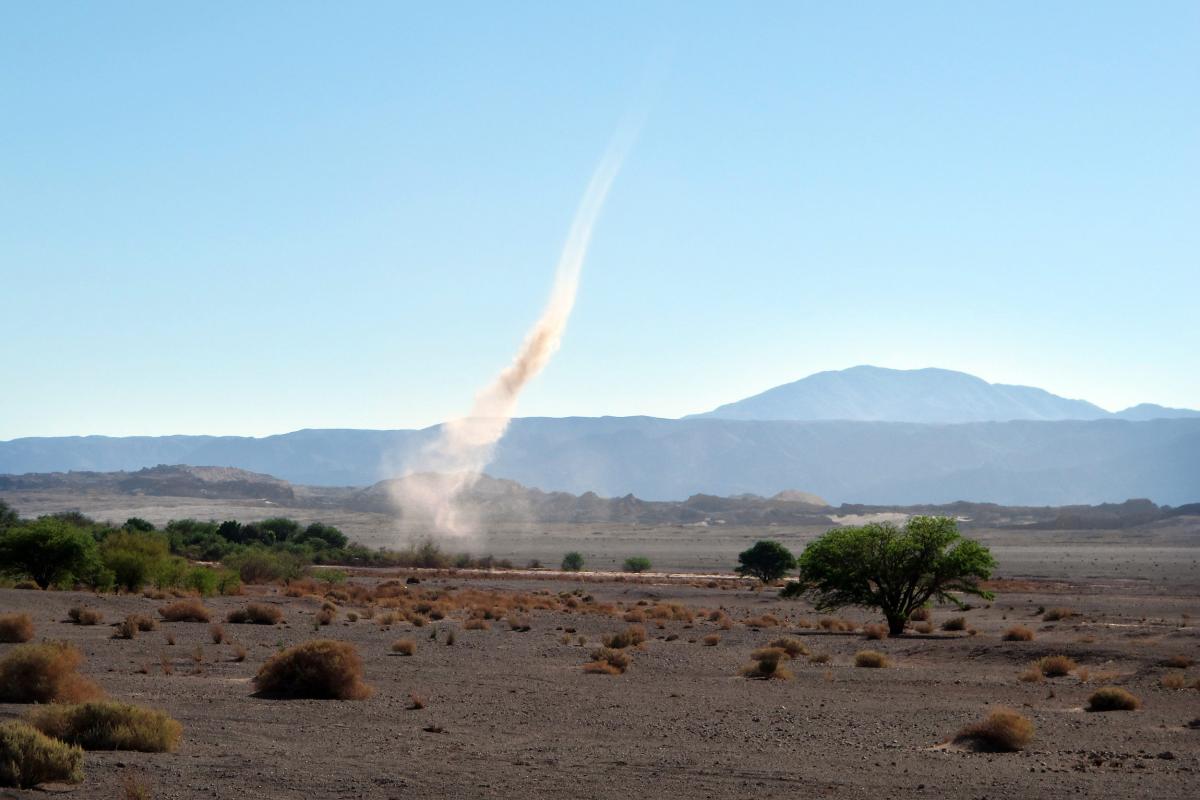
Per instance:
x=767, y=561
x=29, y=757
x=259, y=565
x=107, y=725
x=135, y=557
x=49, y=550
x=637, y=564
x=572, y=561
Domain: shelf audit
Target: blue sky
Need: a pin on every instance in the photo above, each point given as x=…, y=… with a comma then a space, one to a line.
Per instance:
x=248, y=218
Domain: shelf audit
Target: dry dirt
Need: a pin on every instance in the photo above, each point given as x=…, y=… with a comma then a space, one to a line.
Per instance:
x=511, y=714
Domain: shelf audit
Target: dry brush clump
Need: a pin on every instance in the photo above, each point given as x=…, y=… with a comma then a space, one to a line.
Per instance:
x=874, y=631
x=82, y=615
x=1003, y=730
x=920, y=614
x=1173, y=680
x=762, y=621
x=711, y=640
x=954, y=624
x=1178, y=661
x=836, y=625
x=793, y=647
x=871, y=659
x=44, y=673
x=1018, y=633
x=187, y=610
x=1113, y=698
x=1056, y=614
x=923, y=627
x=15, y=628
x=1056, y=666
x=29, y=757
x=404, y=647
x=630, y=637
x=607, y=661
x=767, y=664
x=107, y=725
x=255, y=614
x=321, y=668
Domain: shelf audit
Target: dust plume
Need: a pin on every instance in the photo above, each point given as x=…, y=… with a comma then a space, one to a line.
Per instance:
x=433, y=482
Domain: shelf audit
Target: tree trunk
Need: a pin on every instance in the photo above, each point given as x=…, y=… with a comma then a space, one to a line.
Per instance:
x=895, y=625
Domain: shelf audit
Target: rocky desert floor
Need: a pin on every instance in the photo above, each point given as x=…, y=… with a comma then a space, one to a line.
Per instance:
x=512, y=714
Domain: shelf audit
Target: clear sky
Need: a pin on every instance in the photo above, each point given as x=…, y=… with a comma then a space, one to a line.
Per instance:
x=248, y=218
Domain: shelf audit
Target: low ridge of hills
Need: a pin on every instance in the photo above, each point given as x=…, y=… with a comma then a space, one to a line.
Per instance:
x=500, y=500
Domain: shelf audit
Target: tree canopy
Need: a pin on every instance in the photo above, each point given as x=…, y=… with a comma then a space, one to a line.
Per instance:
x=896, y=570
x=768, y=561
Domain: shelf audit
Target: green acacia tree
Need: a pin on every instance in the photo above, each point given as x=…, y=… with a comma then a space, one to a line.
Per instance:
x=895, y=570
x=49, y=550
x=768, y=561
x=572, y=561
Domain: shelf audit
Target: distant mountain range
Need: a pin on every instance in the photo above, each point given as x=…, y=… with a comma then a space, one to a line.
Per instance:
x=853, y=451
x=936, y=396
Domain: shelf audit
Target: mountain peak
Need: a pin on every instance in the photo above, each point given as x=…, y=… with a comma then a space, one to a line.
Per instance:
x=929, y=395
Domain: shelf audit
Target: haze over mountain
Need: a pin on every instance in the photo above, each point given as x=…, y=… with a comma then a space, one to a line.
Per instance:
x=939, y=396
x=1059, y=452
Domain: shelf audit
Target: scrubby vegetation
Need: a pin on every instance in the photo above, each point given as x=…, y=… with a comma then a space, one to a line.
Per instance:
x=954, y=624
x=82, y=615
x=768, y=561
x=321, y=668
x=608, y=661
x=766, y=664
x=1003, y=730
x=1018, y=633
x=1056, y=666
x=572, y=561
x=189, y=610
x=404, y=647
x=15, y=628
x=255, y=614
x=29, y=757
x=636, y=564
x=44, y=673
x=1113, y=698
x=895, y=570
x=106, y=725
x=871, y=659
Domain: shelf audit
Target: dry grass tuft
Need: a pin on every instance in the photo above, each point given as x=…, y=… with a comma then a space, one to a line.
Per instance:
x=1112, y=698
x=1056, y=666
x=875, y=631
x=44, y=673
x=711, y=640
x=954, y=624
x=836, y=625
x=415, y=702
x=1018, y=633
x=322, y=668
x=819, y=658
x=15, y=628
x=188, y=610
x=762, y=621
x=1032, y=675
x=475, y=624
x=107, y=725
x=1174, y=680
x=767, y=664
x=630, y=637
x=82, y=615
x=923, y=627
x=1003, y=730
x=871, y=659
x=255, y=614
x=793, y=647
x=607, y=661
x=1179, y=661
x=239, y=653
x=405, y=647
x=920, y=615
x=325, y=616
x=217, y=633
x=29, y=757
x=1056, y=614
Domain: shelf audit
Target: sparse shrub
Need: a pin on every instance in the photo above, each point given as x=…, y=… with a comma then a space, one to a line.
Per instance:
x=819, y=658
x=711, y=640
x=1179, y=661
x=923, y=627
x=255, y=614
x=82, y=615
x=1174, y=680
x=630, y=637
x=144, y=623
x=107, y=725
x=44, y=673
x=321, y=668
x=164, y=661
x=126, y=628
x=762, y=621
x=1056, y=614
x=325, y=616
x=1018, y=633
x=1032, y=675
x=637, y=564
x=919, y=614
x=793, y=647
x=1112, y=698
x=217, y=633
x=766, y=664
x=15, y=628
x=871, y=659
x=189, y=610
x=239, y=653
x=875, y=631
x=405, y=647
x=29, y=757
x=1056, y=666
x=634, y=616
x=476, y=624
x=1003, y=730
x=415, y=702
x=954, y=624
x=607, y=661
x=450, y=638
x=834, y=625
